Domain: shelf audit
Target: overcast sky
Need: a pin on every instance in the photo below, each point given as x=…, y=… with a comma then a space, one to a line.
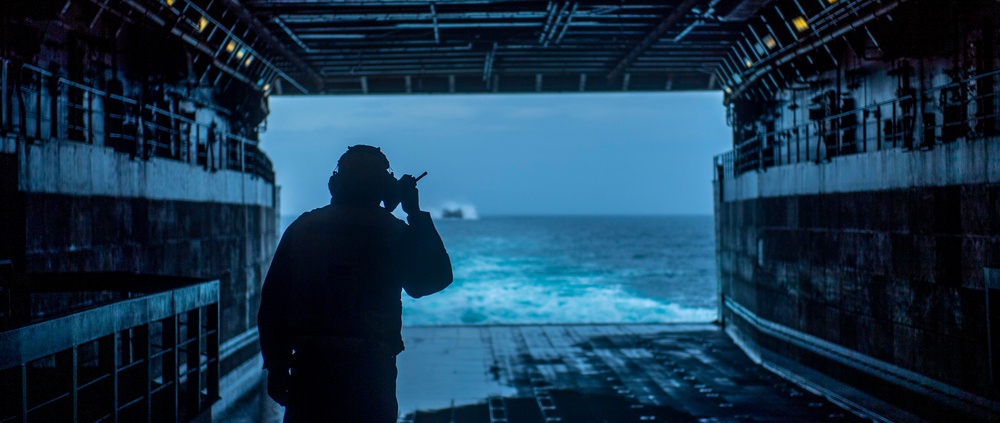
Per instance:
x=599, y=154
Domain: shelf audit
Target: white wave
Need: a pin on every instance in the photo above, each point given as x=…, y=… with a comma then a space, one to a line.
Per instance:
x=511, y=300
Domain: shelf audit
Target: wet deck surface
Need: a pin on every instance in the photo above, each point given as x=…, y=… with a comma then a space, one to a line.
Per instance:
x=589, y=373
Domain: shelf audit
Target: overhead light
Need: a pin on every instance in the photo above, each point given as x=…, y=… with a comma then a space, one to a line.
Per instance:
x=831, y=1
x=240, y=53
x=230, y=46
x=171, y=3
x=769, y=42
x=749, y=63
x=202, y=24
x=248, y=61
x=729, y=90
x=800, y=23
x=267, y=87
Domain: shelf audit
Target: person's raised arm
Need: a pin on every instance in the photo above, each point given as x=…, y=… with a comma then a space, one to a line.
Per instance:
x=426, y=267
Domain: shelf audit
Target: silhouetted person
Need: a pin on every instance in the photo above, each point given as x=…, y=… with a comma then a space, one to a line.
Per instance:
x=210, y=153
x=330, y=307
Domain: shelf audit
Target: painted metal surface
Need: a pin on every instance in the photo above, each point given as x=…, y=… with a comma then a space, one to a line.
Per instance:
x=859, y=206
x=582, y=373
x=153, y=356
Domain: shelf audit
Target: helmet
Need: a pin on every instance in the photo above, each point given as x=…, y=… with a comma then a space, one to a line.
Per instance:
x=363, y=176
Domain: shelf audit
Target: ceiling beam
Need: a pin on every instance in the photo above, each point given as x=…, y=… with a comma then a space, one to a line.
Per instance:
x=314, y=81
x=476, y=71
x=651, y=38
x=434, y=18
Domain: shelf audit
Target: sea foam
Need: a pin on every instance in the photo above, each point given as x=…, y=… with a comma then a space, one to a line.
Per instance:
x=573, y=270
x=510, y=300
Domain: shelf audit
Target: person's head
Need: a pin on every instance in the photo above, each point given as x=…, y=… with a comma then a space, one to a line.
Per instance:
x=361, y=176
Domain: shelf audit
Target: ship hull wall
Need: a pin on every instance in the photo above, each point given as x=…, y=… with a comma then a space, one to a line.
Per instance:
x=869, y=269
x=86, y=208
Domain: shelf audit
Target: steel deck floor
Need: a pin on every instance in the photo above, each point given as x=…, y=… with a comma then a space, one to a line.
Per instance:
x=593, y=373
x=587, y=373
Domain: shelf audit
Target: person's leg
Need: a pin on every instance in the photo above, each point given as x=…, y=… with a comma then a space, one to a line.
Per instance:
x=383, y=406
x=343, y=388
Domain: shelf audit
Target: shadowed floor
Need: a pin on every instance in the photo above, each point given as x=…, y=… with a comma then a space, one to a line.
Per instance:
x=587, y=373
x=593, y=373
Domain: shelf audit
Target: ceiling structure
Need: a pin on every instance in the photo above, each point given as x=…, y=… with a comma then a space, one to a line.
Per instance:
x=482, y=46
x=747, y=48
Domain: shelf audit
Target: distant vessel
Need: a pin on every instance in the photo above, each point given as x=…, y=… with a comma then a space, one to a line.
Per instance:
x=454, y=214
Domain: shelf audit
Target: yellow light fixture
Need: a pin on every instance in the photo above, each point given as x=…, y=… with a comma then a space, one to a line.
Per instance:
x=748, y=63
x=230, y=46
x=240, y=53
x=267, y=87
x=202, y=24
x=800, y=23
x=831, y=1
x=171, y=3
x=248, y=61
x=729, y=90
x=770, y=42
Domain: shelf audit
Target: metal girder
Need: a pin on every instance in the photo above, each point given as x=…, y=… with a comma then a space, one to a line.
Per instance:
x=706, y=60
x=652, y=37
x=450, y=25
x=314, y=80
x=488, y=63
x=291, y=34
x=187, y=38
x=434, y=19
x=476, y=70
x=497, y=39
x=319, y=16
x=811, y=41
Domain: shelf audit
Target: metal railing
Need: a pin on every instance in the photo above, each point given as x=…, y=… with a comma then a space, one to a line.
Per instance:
x=37, y=105
x=724, y=166
x=891, y=124
x=142, y=356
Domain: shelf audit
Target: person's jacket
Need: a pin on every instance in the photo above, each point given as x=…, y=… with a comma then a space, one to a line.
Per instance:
x=338, y=272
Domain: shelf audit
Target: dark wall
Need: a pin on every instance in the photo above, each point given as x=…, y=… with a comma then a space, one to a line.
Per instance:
x=229, y=242
x=896, y=275
x=11, y=213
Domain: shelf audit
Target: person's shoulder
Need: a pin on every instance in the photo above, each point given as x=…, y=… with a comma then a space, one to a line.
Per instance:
x=308, y=221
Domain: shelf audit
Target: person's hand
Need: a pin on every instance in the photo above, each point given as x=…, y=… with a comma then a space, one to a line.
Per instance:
x=408, y=194
x=277, y=386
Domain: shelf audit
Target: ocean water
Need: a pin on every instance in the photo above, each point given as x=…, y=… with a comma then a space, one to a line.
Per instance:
x=573, y=269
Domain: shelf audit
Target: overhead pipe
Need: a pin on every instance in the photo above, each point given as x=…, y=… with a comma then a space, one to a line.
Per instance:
x=688, y=30
x=550, y=29
x=291, y=34
x=709, y=14
x=303, y=17
x=569, y=20
x=381, y=50
x=551, y=9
